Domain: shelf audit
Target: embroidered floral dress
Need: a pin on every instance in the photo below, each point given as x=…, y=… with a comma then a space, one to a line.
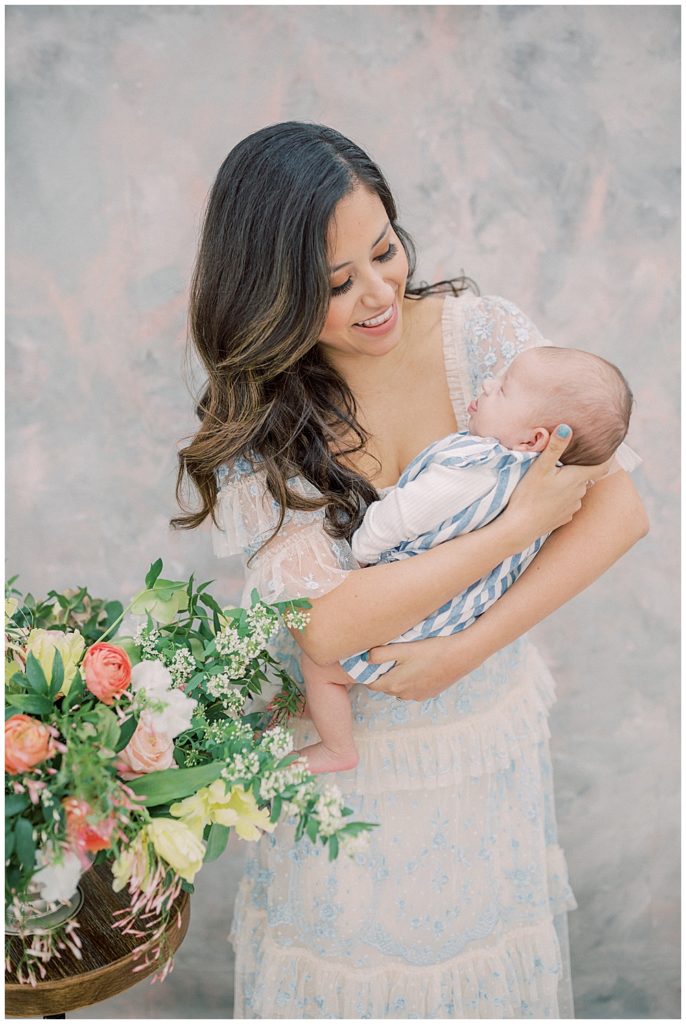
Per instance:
x=458, y=908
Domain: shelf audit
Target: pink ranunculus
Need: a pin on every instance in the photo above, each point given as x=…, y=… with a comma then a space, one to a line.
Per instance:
x=107, y=671
x=147, y=751
x=28, y=742
x=86, y=836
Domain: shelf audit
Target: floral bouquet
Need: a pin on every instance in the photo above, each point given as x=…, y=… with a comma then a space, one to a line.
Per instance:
x=142, y=750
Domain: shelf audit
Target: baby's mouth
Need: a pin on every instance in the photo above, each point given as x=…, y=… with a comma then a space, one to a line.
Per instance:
x=472, y=407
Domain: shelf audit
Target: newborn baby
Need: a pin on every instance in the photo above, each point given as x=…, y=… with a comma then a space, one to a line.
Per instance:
x=461, y=483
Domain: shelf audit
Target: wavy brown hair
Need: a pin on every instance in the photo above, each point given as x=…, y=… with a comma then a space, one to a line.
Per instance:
x=259, y=298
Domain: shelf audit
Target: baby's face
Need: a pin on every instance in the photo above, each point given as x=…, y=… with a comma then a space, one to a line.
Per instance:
x=507, y=406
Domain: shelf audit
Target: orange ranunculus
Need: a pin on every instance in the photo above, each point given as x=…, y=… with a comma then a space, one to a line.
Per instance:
x=147, y=751
x=28, y=742
x=86, y=836
x=107, y=671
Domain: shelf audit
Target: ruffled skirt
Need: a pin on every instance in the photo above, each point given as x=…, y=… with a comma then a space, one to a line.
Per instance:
x=458, y=907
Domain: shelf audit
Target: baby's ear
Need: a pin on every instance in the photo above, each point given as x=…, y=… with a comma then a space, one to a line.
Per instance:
x=536, y=441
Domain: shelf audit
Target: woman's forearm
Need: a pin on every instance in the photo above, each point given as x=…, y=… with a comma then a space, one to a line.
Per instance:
x=376, y=604
x=611, y=520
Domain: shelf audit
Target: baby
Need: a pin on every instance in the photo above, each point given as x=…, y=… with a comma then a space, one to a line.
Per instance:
x=461, y=483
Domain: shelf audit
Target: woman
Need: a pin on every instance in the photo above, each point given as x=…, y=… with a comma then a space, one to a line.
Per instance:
x=327, y=373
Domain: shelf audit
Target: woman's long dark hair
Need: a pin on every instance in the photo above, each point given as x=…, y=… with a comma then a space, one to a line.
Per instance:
x=259, y=298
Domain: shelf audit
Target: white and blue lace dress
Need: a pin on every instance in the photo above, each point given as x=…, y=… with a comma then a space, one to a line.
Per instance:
x=458, y=908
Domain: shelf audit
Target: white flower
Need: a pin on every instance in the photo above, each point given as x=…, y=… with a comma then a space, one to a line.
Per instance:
x=171, y=712
x=328, y=810
x=151, y=676
x=57, y=881
x=278, y=741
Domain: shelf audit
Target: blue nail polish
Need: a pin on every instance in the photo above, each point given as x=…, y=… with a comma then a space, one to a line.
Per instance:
x=563, y=430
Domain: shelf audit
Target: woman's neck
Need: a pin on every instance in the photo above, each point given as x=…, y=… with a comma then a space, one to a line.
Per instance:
x=367, y=375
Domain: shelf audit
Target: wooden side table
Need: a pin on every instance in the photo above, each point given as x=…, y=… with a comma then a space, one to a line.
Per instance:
x=107, y=965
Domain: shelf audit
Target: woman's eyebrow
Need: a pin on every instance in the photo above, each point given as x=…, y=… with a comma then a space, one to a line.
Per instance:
x=332, y=270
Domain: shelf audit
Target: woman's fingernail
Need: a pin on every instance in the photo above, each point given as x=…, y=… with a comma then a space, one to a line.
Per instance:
x=563, y=430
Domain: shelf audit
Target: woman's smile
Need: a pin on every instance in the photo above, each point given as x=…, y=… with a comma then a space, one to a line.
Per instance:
x=381, y=324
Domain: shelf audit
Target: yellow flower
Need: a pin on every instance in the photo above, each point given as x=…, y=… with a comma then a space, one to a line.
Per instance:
x=176, y=843
x=43, y=643
x=237, y=809
x=194, y=811
x=240, y=810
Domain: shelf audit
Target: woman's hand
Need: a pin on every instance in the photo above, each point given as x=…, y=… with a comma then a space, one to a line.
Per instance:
x=549, y=495
x=424, y=668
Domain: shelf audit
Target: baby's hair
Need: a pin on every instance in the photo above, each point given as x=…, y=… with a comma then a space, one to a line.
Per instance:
x=593, y=397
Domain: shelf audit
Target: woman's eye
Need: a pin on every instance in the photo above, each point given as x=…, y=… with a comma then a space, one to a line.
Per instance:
x=340, y=289
x=389, y=254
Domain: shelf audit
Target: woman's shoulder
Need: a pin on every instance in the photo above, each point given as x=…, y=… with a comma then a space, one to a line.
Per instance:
x=484, y=316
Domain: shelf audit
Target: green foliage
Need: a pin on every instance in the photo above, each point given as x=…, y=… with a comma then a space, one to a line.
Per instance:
x=217, y=839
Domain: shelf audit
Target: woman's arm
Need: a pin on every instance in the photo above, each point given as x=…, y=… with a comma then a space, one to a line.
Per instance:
x=611, y=520
x=376, y=604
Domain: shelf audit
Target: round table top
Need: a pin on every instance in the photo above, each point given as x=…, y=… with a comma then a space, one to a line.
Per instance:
x=108, y=955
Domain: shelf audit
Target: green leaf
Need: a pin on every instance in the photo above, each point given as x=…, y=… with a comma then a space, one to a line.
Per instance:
x=113, y=610
x=254, y=597
x=35, y=676
x=153, y=572
x=333, y=847
x=216, y=841
x=30, y=703
x=276, y=808
x=24, y=843
x=208, y=600
x=76, y=692
x=106, y=723
x=15, y=803
x=9, y=843
x=126, y=731
x=311, y=829
x=175, y=783
x=57, y=676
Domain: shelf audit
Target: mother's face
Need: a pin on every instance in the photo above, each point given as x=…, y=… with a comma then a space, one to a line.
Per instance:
x=368, y=274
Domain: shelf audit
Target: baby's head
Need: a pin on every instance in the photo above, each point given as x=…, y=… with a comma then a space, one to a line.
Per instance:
x=546, y=386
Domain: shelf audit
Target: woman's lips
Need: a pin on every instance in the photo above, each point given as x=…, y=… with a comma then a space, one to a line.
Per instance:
x=383, y=328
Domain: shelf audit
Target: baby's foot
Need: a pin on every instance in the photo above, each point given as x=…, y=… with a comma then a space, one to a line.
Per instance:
x=321, y=758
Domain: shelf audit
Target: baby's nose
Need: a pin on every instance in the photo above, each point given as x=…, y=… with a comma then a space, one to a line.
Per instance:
x=488, y=385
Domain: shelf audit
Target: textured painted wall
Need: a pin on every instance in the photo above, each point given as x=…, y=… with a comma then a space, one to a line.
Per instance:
x=535, y=147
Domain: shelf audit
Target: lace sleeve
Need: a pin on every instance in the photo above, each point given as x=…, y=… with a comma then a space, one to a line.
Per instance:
x=300, y=561
x=494, y=332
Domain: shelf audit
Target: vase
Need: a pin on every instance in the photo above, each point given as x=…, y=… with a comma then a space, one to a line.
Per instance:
x=34, y=914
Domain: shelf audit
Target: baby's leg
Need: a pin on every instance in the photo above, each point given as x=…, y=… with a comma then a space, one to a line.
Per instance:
x=329, y=706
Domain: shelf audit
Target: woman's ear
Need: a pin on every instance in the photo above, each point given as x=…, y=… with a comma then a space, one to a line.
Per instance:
x=536, y=442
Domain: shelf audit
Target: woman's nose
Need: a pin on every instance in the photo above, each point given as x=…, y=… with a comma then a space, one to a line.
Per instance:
x=378, y=292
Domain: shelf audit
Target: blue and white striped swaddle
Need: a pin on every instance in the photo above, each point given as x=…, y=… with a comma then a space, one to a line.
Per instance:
x=460, y=451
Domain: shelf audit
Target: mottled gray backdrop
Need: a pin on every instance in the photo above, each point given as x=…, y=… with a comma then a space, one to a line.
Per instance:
x=537, y=148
